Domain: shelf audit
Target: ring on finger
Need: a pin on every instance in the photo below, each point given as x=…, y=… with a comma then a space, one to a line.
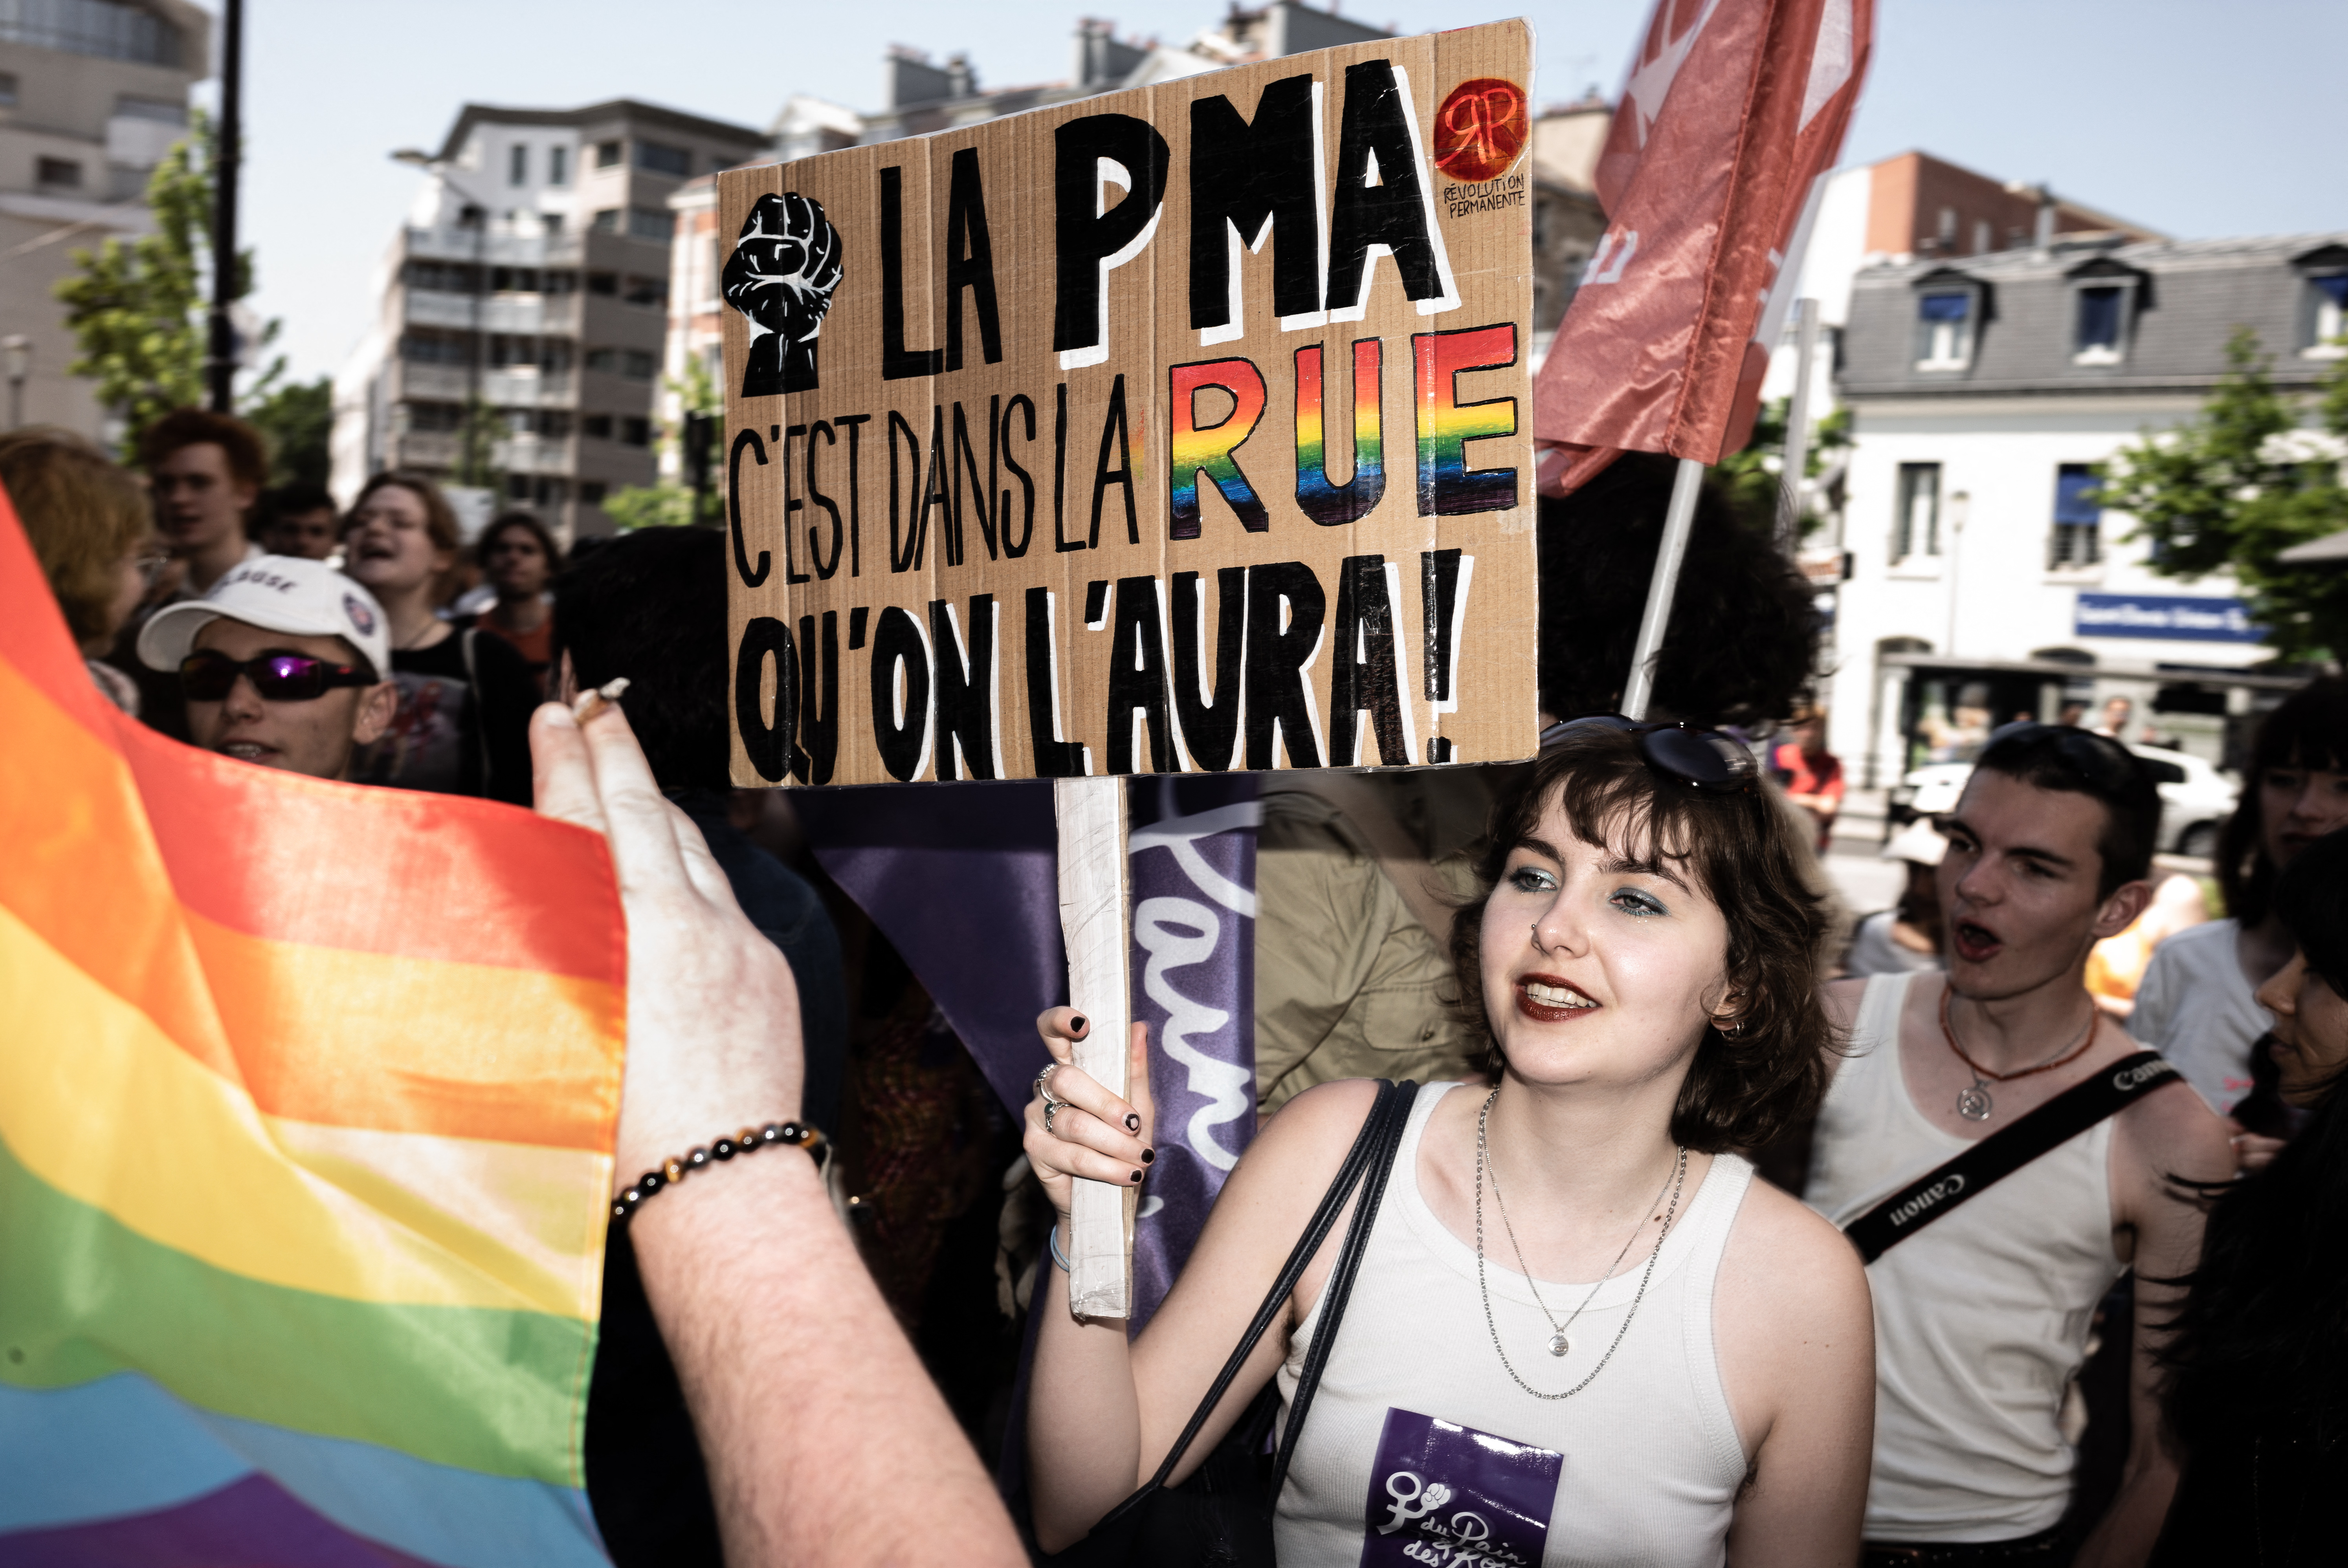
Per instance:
x=1043, y=1085
x=1050, y=1107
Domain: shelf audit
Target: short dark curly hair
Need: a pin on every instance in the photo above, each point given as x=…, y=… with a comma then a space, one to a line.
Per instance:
x=1744, y=629
x=1740, y=1093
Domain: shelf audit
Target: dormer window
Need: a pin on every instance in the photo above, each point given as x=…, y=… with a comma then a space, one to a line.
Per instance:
x=2330, y=326
x=2105, y=296
x=2098, y=339
x=1944, y=328
x=2323, y=306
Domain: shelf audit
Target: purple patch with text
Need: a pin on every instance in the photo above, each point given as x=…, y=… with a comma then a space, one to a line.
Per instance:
x=1452, y=1497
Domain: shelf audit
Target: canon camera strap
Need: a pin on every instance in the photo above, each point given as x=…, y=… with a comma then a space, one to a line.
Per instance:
x=2000, y=1155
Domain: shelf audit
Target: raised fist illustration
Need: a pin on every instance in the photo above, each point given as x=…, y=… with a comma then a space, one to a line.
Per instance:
x=780, y=277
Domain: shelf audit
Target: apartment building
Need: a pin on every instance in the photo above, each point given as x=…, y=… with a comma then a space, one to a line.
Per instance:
x=93, y=93
x=523, y=306
x=1985, y=389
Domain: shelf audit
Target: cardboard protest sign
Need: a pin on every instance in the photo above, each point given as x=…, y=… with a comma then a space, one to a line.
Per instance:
x=1176, y=430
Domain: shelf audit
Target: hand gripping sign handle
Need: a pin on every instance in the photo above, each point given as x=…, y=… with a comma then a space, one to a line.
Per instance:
x=1096, y=921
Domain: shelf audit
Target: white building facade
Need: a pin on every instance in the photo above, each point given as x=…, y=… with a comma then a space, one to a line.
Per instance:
x=1985, y=578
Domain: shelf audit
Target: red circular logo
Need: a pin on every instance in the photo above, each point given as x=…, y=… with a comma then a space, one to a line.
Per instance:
x=1480, y=129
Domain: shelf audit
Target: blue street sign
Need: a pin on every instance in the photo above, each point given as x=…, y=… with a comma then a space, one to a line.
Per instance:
x=2165, y=616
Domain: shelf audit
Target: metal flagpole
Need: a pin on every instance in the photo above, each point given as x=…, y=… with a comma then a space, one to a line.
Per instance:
x=1662, y=586
x=1797, y=428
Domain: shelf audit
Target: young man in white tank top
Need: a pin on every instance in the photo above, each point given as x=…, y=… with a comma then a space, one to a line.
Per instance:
x=1981, y=1316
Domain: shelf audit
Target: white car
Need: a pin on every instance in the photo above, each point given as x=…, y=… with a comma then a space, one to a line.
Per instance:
x=2196, y=799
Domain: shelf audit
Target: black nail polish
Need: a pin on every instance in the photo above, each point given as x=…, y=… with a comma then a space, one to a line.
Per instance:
x=1136, y=1175
x=1148, y=1155
x=1077, y=1023
x=1133, y=1124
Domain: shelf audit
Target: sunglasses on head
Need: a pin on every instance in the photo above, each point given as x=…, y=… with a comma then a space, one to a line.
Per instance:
x=1706, y=759
x=278, y=674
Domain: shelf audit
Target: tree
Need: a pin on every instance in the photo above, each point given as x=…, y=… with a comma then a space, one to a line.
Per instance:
x=298, y=419
x=138, y=307
x=1752, y=476
x=2240, y=483
x=666, y=503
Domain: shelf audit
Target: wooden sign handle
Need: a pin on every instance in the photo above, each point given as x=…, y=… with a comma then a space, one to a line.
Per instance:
x=1096, y=921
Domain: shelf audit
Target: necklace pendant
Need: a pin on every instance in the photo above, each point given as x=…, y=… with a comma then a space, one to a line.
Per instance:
x=1973, y=1105
x=1559, y=1343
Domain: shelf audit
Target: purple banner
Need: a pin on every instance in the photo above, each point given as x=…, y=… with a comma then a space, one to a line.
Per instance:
x=1447, y=1496
x=1191, y=854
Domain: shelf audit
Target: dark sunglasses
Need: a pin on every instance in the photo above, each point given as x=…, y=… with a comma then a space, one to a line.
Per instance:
x=208, y=675
x=1706, y=759
x=2107, y=765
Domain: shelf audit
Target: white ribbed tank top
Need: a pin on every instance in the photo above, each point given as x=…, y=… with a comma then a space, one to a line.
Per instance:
x=1981, y=1321
x=1645, y=1461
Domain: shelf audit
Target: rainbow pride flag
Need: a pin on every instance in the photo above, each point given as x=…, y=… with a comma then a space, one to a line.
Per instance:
x=308, y=1100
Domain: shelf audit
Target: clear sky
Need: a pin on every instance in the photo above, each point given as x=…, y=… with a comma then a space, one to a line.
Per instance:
x=2194, y=118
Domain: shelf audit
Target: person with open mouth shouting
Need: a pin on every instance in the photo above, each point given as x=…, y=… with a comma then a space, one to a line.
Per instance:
x=2002, y=1152
x=1579, y=1332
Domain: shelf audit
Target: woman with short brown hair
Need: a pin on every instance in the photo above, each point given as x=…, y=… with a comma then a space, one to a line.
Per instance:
x=465, y=700
x=1643, y=969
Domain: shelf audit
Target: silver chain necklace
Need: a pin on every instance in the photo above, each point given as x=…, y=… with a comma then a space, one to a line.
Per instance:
x=1559, y=1343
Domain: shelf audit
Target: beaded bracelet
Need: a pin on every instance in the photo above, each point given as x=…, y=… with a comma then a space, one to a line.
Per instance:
x=748, y=1140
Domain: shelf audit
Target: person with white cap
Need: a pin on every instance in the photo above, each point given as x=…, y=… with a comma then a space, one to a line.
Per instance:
x=1905, y=939
x=283, y=664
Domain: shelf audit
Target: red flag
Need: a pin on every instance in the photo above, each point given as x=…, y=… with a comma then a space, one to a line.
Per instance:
x=1733, y=112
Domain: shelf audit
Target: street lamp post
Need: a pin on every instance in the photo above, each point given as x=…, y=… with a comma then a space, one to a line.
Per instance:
x=220, y=364
x=18, y=349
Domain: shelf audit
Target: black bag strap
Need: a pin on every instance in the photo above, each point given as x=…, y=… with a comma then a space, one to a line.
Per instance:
x=1373, y=1153
x=2001, y=1154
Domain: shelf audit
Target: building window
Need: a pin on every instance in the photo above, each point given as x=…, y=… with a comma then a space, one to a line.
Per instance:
x=518, y=164
x=58, y=173
x=1916, y=531
x=510, y=352
x=651, y=223
x=591, y=492
x=603, y=360
x=653, y=158
x=607, y=221
x=441, y=277
x=435, y=418
x=559, y=281
x=2331, y=315
x=598, y=426
x=2101, y=320
x=554, y=424
x=435, y=348
x=1944, y=330
x=8, y=89
x=2076, y=541
x=558, y=166
x=106, y=29
x=605, y=283
x=607, y=154
x=513, y=279
x=646, y=291
x=1985, y=237
x=1948, y=235
x=635, y=431
x=554, y=353
x=638, y=366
